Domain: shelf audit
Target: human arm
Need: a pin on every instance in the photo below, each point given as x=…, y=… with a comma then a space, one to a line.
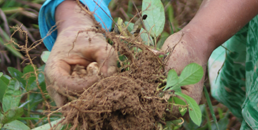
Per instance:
x=215, y=22
x=76, y=43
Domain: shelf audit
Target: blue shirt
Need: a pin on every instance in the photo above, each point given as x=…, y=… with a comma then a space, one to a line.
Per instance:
x=47, y=18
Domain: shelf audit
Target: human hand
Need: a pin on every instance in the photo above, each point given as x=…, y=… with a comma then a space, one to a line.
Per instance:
x=186, y=49
x=76, y=47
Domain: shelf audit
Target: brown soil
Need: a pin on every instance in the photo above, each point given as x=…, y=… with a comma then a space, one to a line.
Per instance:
x=127, y=100
x=124, y=101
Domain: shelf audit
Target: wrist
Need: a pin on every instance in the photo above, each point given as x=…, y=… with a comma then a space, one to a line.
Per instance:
x=201, y=40
x=69, y=14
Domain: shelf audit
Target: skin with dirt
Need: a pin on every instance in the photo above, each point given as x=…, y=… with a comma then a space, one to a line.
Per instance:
x=129, y=99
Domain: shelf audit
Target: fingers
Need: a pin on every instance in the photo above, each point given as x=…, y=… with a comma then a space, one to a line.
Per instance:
x=107, y=61
x=59, y=74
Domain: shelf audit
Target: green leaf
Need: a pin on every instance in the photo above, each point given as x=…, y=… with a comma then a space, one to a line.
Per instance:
x=17, y=75
x=155, y=20
x=28, y=75
x=16, y=125
x=191, y=74
x=11, y=115
x=44, y=56
x=3, y=85
x=181, y=102
x=194, y=110
x=172, y=79
x=190, y=125
x=1, y=74
x=12, y=95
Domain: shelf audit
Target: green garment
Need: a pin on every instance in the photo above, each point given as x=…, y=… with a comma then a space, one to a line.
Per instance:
x=236, y=85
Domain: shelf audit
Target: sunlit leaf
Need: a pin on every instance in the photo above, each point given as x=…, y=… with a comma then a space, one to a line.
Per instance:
x=155, y=21
x=191, y=74
x=194, y=110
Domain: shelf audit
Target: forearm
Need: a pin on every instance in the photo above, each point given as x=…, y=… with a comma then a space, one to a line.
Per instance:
x=218, y=20
x=69, y=14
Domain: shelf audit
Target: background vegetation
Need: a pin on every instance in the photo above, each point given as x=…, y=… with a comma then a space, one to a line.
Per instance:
x=23, y=98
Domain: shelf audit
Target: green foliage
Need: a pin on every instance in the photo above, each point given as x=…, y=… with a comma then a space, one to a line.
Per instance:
x=3, y=85
x=179, y=101
x=10, y=103
x=16, y=125
x=155, y=21
x=14, y=111
x=172, y=79
x=11, y=115
x=194, y=110
x=191, y=74
x=12, y=96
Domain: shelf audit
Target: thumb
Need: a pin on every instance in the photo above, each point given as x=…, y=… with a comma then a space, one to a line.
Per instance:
x=107, y=62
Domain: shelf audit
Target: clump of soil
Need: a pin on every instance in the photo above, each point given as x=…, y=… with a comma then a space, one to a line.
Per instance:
x=124, y=101
x=127, y=100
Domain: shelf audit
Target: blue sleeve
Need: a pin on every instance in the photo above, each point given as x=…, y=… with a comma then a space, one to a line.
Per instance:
x=47, y=18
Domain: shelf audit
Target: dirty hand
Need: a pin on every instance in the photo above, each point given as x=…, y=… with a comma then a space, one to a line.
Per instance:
x=87, y=48
x=186, y=49
x=77, y=43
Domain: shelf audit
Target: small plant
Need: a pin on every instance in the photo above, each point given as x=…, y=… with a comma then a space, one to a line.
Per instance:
x=191, y=74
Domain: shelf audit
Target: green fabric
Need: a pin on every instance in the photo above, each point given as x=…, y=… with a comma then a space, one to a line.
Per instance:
x=236, y=85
